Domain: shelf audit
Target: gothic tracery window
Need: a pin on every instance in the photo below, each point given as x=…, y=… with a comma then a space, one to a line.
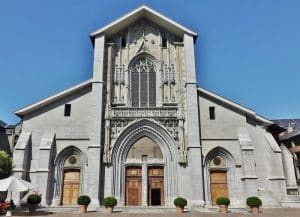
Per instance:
x=143, y=88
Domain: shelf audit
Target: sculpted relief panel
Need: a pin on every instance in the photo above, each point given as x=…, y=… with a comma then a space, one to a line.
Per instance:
x=144, y=80
x=149, y=39
x=116, y=126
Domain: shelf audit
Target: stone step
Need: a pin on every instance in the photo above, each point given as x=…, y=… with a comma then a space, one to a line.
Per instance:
x=143, y=209
x=61, y=209
x=291, y=201
x=293, y=198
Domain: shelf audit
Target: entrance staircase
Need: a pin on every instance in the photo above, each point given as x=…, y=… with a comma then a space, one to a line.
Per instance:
x=291, y=201
x=143, y=209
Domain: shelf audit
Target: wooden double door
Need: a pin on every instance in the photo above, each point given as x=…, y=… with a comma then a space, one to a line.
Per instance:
x=71, y=187
x=218, y=185
x=133, y=186
x=155, y=188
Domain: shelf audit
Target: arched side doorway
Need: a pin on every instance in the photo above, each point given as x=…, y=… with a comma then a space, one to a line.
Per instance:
x=218, y=175
x=71, y=182
x=69, y=172
x=129, y=151
x=218, y=178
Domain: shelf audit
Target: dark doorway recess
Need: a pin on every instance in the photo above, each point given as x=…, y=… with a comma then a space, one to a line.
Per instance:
x=155, y=197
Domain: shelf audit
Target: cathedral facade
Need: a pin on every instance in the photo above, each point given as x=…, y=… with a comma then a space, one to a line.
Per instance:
x=141, y=129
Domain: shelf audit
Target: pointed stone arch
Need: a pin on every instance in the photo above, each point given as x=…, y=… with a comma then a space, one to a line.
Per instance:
x=221, y=152
x=227, y=167
x=134, y=132
x=142, y=54
x=143, y=80
x=59, y=170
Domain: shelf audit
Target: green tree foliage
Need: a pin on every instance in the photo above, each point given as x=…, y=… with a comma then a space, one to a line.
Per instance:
x=5, y=165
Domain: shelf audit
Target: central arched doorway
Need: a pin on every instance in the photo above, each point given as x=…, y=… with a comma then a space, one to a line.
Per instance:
x=144, y=174
x=144, y=144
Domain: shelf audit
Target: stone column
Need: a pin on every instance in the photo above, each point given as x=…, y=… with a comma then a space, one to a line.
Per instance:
x=192, y=125
x=289, y=170
x=94, y=148
x=107, y=141
x=108, y=181
x=93, y=174
x=45, y=170
x=144, y=184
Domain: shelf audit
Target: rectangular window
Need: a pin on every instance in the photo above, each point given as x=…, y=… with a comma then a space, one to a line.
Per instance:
x=212, y=115
x=144, y=158
x=123, y=41
x=67, y=110
x=164, y=42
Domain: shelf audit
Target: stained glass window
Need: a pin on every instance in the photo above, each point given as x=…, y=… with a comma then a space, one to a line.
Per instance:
x=143, y=83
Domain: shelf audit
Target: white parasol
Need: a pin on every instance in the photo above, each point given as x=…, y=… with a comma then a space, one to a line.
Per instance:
x=15, y=184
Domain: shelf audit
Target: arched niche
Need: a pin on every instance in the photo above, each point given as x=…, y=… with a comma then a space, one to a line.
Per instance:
x=144, y=149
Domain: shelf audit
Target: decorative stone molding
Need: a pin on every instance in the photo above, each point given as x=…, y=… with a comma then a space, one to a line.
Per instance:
x=155, y=112
x=119, y=74
x=115, y=127
x=168, y=81
x=169, y=76
x=172, y=127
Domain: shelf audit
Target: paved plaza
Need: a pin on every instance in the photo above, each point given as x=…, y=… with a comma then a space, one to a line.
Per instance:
x=276, y=212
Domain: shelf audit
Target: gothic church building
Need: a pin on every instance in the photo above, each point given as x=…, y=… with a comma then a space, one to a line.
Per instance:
x=141, y=129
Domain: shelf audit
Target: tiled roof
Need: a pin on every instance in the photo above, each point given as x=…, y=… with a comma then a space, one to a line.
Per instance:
x=286, y=123
x=2, y=124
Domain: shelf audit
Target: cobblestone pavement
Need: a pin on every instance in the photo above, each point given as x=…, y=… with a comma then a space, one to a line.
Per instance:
x=278, y=212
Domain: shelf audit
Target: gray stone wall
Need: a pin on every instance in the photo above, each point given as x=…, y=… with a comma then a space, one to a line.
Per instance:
x=68, y=131
x=256, y=167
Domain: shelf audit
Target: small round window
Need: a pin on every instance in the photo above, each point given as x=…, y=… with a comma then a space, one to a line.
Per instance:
x=217, y=162
x=72, y=160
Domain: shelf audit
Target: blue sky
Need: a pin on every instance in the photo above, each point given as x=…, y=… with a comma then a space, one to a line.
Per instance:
x=247, y=51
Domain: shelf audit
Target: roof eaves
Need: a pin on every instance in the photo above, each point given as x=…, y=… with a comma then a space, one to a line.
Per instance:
x=247, y=111
x=51, y=99
x=140, y=9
